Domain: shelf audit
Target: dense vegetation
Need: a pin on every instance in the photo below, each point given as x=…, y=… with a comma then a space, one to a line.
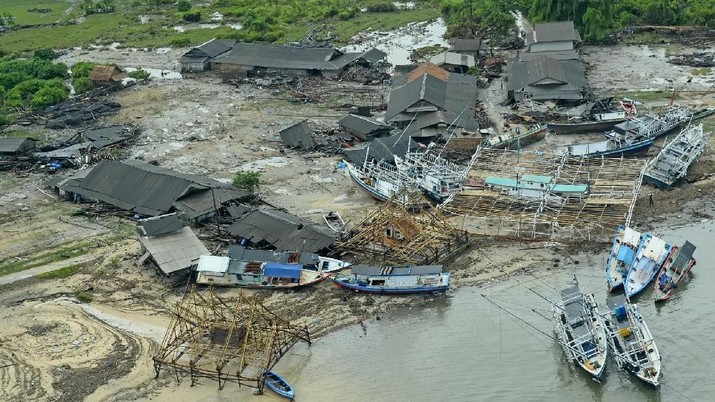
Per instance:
x=30, y=83
x=595, y=19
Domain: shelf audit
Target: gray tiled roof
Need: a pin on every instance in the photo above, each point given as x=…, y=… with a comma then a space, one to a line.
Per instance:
x=553, y=32
x=525, y=73
x=11, y=144
x=298, y=135
x=175, y=251
x=466, y=45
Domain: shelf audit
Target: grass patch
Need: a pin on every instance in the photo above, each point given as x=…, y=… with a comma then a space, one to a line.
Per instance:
x=20, y=9
x=84, y=297
x=701, y=71
x=60, y=254
x=21, y=134
x=643, y=39
x=61, y=273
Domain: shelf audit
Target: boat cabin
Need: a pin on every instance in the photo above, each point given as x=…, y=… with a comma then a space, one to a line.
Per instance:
x=531, y=185
x=397, y=277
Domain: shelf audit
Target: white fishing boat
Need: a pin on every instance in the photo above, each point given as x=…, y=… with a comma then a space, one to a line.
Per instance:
x=334, y=221
x=623, y=252
x=652, y=125
x=651, y=255
x=581, y=330
x=380, y=179
x=673, y=161
x=435, y=176
x=630, y=340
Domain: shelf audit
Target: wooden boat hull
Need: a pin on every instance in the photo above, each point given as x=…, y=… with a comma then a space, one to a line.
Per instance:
x=588, y=127
x=645, y=268
x=388, y=291
x=277, y=384
x=633, y=149
x=369, y=189
x=674, y=271
x=289, y=286
x=526, y=139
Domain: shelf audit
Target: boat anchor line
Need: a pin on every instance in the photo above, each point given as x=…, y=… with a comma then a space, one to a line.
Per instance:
x=519, y=319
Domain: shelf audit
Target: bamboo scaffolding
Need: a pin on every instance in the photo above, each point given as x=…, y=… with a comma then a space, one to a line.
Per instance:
x=209, y=338
x=613, y=187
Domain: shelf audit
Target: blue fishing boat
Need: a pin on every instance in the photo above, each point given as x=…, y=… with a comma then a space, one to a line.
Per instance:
x=652, y=254
x=623, y=251
x=395, y=280
x=278, y=385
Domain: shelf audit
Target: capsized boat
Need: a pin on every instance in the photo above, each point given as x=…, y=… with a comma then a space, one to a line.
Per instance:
x=278, y=385
x=623, y=251
x=675, y=269
x=651, y=255
x=674, y=159
x=630, y=340
x=581, y=330
x=395, y=280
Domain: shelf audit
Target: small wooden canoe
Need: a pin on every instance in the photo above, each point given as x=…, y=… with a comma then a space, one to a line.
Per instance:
x=278, y=385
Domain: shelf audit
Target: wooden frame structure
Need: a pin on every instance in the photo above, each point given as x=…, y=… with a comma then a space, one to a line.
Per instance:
x=208, y=337
x=613, y=187
x=407, y=229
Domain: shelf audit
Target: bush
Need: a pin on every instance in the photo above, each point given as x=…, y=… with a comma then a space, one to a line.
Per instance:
x=84, y=297
x=82, y=85
x=139, y=74
x=381, y=7
x=49, y=94
x=247, y=181
x=44, y=54
x=183, y=5
x=194, y=16
x=59, y=273
x=82, y=69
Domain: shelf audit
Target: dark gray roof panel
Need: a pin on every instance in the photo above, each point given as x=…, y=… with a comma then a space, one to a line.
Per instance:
x=283, y=231
x=298, y=135
x=466, y=45
x=287, y=57
x=522, y=74
x=163, y=224
x=11, y=144
x=553, y=32
x=362, y=124
x=373, y=55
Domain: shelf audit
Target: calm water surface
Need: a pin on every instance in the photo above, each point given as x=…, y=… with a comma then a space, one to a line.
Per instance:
x=462, y=348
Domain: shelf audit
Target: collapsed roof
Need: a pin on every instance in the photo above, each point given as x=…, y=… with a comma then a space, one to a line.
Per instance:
x=281, y=230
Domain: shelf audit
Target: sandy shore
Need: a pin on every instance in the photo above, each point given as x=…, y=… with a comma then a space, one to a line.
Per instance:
x=54, y=348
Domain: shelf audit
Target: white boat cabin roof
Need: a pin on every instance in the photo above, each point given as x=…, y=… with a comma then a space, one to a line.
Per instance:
x=391, y=271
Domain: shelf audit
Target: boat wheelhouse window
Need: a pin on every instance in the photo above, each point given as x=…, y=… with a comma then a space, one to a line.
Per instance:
x=377, y=282
x=239, y=277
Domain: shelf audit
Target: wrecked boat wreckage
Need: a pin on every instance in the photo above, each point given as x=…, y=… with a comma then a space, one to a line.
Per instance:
x=602, y=116
x=673, y=161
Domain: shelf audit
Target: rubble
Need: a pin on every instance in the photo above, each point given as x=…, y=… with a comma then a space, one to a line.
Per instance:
x=80, y=110
x=701, y=59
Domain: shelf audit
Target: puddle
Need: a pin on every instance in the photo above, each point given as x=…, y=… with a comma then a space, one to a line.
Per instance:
x=400, y=42
x=188, y=27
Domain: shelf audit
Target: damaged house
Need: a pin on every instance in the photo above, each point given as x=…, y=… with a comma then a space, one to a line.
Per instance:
x=199, y=58
x=280, y=231
x=150, y=190
x=431, y=102
x=382, y=149
x=173, y=247
x=363, y=127
x=298, y=135
x=107, y=76
x=256, y=59
x=459, y=63
x=16, y=147
x=472, y=47
x=550, y=69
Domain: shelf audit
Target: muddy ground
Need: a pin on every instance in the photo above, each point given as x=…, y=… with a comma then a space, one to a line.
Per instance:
x=53, y=347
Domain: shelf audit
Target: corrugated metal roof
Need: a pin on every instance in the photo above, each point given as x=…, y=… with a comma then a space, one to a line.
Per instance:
x=553, y=32
x=452, y=58
x=466, y=45
x=500, y=181
x=569, y=188
x=12, y=144
x=556, y=55
x=139, y=187
x=161, y=225
x=286, y=57
x=176, y=251
x=456, y=95
x=373, y=55
x=282, y=230
x=527, y=73
x=213, y=263
x=362, y=124
x=202, y=202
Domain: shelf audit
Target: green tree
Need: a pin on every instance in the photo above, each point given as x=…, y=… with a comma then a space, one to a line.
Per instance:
x=249, y=181
x=82, y=69
x=82, y=85
x=51, y=93
x=183, y=5
x=44, y=54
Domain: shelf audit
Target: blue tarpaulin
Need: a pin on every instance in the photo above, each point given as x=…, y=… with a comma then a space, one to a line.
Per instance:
x=626, y=255
x=278, y=270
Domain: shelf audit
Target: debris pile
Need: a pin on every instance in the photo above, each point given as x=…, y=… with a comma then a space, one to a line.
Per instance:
x=700, y=59
x=80, y=110
x=364, y=75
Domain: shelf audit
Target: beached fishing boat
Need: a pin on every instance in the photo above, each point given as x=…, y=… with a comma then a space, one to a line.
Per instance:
x=515, y=139
x=334, y=221
x=265, y=269
x=601, y=117
x=673, y=161
x=278, y=385
x=581, y=330
x=674, y=271
x=652, y=254
x=381, y=180
x=610, y=148
x=630, y=340
x=651, y=125
x=395, y=280
x=435, y=176
x=623, y=251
